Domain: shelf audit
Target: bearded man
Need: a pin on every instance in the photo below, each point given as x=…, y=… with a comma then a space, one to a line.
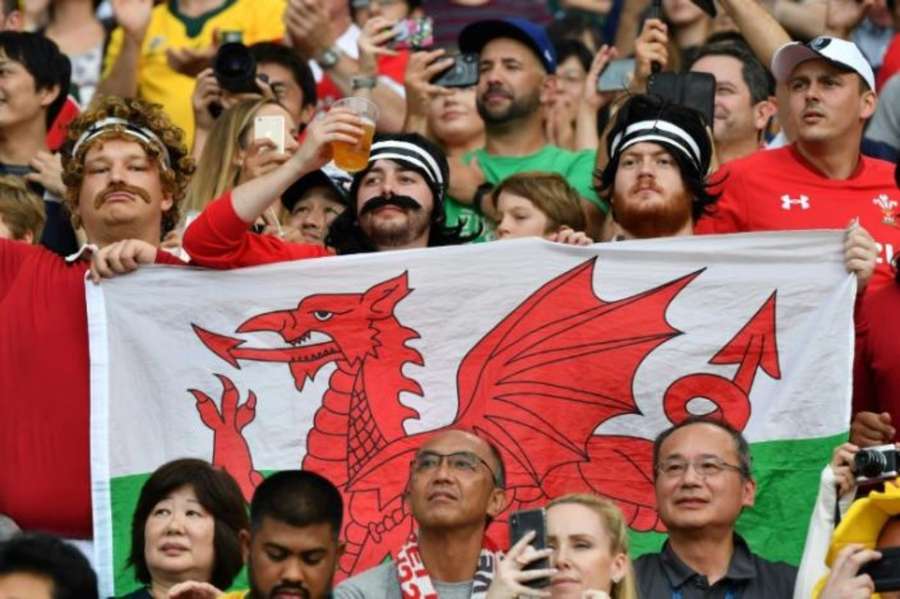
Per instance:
x=655, y=179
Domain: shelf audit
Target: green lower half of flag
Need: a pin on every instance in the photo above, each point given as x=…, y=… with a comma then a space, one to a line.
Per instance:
x=787, y=473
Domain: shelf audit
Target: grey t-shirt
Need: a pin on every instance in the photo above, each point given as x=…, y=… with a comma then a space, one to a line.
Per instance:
x=381, y=583
x=885, y=124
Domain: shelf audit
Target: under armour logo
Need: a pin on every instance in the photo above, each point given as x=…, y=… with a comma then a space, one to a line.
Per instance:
x=787, y=202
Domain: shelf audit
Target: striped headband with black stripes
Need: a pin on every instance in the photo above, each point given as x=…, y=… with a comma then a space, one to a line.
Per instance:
x=658, y=131
x=409, y=153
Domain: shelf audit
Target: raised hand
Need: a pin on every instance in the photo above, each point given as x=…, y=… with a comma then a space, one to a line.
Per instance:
x=230, y=449
x=339, y=124
x=844, y=582
x=509, y=580
x=188, y=61
x=192, y=589
x=47, y=172
x=570, y=236
x=308, y=27
x=869, y=428
x=860, y=254
x=372, y=43
x=133, y=16
x=842, y=467
x=262, y=156
x=592, y=98
x=651, y=46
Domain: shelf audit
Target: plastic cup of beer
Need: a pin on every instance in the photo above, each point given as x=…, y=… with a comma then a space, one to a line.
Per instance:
x=355, y=157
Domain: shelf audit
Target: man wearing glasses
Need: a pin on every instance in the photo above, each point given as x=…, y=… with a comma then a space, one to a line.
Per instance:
x=703, y=482
x=455, y=488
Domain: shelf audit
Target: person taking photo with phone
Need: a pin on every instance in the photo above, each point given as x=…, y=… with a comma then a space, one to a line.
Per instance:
x=587, y=543
x=456, y=487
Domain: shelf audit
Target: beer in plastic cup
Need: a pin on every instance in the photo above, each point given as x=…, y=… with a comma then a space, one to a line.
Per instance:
x=354, y=157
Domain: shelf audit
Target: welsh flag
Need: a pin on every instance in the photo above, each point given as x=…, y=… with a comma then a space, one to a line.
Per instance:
x=569, y=359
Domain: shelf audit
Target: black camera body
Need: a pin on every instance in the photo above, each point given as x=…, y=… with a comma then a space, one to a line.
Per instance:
x=235, y=68
x=463, y=73
x=875, y=464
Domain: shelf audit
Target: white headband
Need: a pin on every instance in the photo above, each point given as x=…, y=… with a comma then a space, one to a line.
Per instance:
x=659, y=131
x=125, y=128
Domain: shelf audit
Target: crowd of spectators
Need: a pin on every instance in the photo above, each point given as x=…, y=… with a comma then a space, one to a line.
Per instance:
x=201, y=131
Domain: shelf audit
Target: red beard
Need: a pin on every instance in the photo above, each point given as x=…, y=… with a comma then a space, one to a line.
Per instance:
x=657, y=217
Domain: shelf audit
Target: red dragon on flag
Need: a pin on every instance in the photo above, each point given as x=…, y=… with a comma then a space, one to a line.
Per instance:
x=537, y=385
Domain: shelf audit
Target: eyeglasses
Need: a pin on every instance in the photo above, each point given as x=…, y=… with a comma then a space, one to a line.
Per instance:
x=704, y=466
x=464, y=462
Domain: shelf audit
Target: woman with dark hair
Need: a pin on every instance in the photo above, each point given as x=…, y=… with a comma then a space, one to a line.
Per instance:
x=186, y=527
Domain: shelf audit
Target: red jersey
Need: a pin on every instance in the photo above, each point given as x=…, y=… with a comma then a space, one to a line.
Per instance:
x=876, y=369
x=218, y=238
x=45, y=477
x=778, y=190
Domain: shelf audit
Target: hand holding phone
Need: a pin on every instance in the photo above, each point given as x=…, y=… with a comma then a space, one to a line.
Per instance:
x=616, y=76
x=534, y=521
x=462, y=73
x=270, y=127
x=413, y=33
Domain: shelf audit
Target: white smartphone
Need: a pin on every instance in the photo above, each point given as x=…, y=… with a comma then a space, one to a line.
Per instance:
x=270, y=127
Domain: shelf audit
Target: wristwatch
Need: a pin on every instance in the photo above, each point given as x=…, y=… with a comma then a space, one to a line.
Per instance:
x=329, y=58
x=363, y=82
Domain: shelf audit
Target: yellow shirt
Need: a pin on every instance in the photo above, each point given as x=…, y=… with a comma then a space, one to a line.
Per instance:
x=257, y=20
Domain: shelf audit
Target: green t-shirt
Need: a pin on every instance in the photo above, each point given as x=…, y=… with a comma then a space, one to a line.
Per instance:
x=576, y=167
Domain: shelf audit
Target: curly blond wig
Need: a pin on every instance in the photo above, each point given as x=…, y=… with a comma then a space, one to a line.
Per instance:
x=141, y=114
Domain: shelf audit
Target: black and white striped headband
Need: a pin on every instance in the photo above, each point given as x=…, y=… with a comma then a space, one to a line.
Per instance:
x=658, y=131
x=127, y=128
x=408, y=153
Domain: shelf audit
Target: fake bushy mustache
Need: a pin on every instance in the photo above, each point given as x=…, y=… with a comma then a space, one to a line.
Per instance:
x=402, y=202
x=112, y=188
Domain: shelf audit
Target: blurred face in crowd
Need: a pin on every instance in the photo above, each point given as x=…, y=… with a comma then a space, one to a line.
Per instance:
x=287, y=91
x=681, y=13
x=26, y=585
x=394, y=204
x=454, y=118
x=121, y=194
x=513, y=83
x=582, y=551
x=393, y=10
x=649, y=196
x=178, y=538
x=314, y=212
x=458, y=490
x=290, y=561
x=11, y=21
x=826, y=103
x=736, y=117
x=519, y=217
x=20, y=101
x=570, y=77
x=693, y=500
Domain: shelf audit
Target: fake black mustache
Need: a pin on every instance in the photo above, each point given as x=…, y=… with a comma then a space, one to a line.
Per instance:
x=403, y=202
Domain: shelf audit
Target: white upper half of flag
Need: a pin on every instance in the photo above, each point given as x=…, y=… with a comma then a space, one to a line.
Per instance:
x=458, y=294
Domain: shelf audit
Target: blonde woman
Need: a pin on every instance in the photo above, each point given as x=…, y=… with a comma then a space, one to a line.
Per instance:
x=588, y=547
x=232, y=156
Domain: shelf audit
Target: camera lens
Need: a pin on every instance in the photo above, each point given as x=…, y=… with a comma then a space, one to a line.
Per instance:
x=870, y=464
x=235, y=68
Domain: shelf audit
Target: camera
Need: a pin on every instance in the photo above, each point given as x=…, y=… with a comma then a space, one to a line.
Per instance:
x=463, y=73
x=235, y=68
x=875, y=464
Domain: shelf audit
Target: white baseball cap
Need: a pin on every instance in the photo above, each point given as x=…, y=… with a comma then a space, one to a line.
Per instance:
x=835, y=50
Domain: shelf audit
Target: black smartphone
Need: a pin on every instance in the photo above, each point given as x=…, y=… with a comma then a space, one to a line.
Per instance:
x=692, y=89
x=519, y=524
x=885, y=572
x=616, y=75
x=463, y=72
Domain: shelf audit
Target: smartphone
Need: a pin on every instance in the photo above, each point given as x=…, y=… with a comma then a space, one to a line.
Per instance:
x=413, y=33
x=463, y=72
x=885, y=572
x=616, y=76
x=519, y=524
x=692, y=89
x=270, y=127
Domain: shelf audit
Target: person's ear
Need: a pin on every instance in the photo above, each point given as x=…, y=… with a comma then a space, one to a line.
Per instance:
x=762, y=112
x=748, y=493
x=49, y=95
x=548, y=88
x=618, y=568
x=868, y=104
x=28, y=237
x=497, y=502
